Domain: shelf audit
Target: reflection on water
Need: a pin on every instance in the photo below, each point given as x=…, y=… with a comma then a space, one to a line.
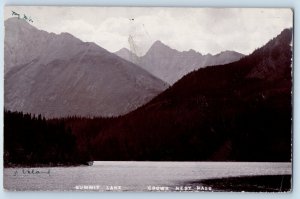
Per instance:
x=135, y=176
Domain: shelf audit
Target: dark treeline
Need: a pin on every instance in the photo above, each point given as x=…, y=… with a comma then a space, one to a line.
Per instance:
x=234, y=112
x=85, y=130
x=34, y=141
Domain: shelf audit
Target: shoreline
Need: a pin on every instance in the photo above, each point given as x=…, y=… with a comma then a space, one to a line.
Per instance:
x=20, y=166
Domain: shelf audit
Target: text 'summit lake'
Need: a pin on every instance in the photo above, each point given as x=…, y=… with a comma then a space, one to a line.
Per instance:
x=152, y=176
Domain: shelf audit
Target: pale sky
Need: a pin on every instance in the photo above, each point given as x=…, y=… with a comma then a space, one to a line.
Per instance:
x=206, y=30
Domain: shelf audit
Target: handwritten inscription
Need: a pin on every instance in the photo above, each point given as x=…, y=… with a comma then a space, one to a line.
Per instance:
x=29, y=171
x=13, y=13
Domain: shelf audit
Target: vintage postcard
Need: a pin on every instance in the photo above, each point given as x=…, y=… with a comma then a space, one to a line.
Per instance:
x=148, y=99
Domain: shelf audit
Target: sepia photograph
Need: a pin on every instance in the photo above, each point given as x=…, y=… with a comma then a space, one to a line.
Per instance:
x=148, y=99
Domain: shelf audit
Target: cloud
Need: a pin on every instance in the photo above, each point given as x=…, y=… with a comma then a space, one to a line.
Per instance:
x=207, y=30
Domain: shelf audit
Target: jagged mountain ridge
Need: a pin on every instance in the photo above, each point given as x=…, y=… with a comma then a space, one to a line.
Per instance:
x=170, y=65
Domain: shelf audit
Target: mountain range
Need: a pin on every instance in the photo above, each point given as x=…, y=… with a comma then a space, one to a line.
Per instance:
x=239, y=111
x=58, y=75
x=170, y=65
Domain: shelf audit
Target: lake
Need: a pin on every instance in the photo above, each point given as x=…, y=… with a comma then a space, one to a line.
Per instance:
x=139, y=176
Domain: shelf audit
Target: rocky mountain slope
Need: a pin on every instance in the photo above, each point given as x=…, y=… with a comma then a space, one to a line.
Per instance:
x=59, y=75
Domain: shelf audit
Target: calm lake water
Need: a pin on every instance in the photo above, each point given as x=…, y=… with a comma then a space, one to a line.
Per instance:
x=134, y=176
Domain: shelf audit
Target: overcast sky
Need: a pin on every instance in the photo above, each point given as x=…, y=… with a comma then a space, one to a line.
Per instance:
x=205, y=30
